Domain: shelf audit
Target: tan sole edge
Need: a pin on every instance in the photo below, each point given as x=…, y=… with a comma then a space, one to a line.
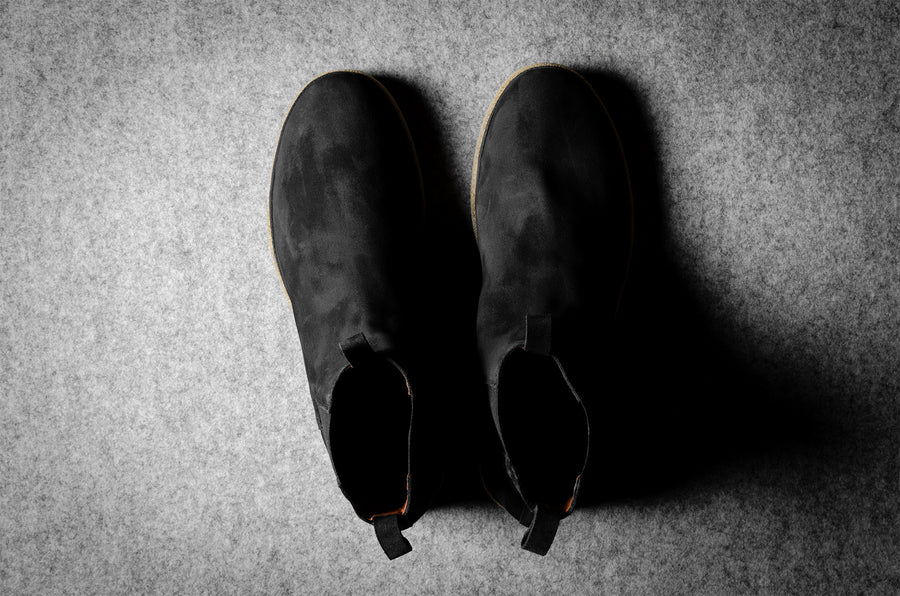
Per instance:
x=479, y=147
x=275, y=156
x=489, y=493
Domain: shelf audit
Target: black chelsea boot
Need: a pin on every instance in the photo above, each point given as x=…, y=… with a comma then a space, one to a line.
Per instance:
x=552, y=213
x=346, y=216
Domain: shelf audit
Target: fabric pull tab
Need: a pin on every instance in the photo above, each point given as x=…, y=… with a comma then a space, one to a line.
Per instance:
x=542, y=531
x=387, y=530
x=537, y=333
x=356, y=349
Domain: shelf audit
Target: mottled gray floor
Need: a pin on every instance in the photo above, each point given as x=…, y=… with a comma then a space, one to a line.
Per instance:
x=155, y=427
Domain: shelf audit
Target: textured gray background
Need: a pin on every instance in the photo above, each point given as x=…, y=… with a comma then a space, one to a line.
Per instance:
x=155, y=424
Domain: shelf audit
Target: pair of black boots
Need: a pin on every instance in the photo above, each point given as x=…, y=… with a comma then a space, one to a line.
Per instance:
x=552, y=214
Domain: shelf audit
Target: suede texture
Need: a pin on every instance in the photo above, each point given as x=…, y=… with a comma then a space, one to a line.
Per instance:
x=346, y=214
x=157, y=429
x=552, y=215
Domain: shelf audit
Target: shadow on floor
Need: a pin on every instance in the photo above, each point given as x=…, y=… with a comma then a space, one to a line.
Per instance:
x=684, y=395
x=679, y=398
x=453, y=273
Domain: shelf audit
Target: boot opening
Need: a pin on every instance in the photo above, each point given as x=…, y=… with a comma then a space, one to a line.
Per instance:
x=544, y=428
x=370, y=420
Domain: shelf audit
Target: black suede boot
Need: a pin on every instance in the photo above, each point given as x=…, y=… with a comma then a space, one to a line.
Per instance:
x=346, y=214
x=551, y=208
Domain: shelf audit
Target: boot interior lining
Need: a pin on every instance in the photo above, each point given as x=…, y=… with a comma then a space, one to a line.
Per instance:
x=370, y=421
x=544, y=428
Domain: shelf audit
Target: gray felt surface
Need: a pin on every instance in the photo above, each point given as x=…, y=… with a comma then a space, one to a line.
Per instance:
x=156, y=433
